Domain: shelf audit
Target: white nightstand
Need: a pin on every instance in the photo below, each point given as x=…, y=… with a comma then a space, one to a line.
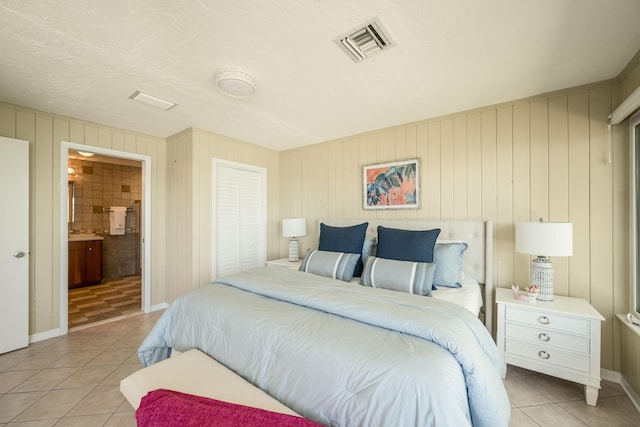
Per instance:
x=285, y=263
x=559, y=338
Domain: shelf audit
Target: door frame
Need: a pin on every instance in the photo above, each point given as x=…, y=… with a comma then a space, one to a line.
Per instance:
x=145, y=204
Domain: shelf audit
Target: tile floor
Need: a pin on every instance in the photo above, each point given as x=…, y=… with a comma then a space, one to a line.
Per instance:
x=74, y=381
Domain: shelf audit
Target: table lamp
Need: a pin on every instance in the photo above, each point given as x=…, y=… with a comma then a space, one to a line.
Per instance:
x=294, y=228
x=544, y=239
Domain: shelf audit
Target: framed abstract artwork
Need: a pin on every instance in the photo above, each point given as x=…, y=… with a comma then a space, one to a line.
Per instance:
x=392, y=185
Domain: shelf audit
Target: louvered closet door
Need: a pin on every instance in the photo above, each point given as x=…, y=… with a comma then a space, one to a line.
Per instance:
x=240, y=217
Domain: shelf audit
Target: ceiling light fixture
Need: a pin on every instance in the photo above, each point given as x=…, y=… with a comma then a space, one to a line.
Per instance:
x=84, y=153
x=152, y=100
x=235, y=83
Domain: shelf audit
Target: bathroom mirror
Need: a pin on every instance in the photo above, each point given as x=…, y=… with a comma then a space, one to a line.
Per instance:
x=70, y=200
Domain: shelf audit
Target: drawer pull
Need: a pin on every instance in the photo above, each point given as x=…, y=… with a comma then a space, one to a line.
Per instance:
x=544, y=320
x=544, y=337
x=543, y=355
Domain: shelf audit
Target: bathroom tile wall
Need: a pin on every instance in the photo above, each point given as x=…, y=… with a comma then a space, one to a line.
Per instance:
x=99, y=185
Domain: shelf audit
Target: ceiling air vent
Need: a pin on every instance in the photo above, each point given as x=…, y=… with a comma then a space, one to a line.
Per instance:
x=365, y=41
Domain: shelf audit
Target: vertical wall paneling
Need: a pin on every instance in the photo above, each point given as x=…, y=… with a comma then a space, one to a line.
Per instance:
x=46, y=313
x=539, y=162
x=433, y=203
x=521, y=182
x=474, y=166
x=579, y=161
x=60, y=133
x=92, y=135
x=76, y=132
x=422, y=153
x=7, y=121
x=504, y=226
x=25, y=129
x=459, y=168
x=601, y=218
x=447, y=175
x=559, y=181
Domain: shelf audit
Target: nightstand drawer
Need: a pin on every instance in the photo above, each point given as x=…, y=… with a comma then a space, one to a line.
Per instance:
x=546, y=337
x=558, y=322
x=547, y=355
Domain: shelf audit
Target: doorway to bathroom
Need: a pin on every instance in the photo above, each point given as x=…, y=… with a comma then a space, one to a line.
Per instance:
x=105, y=236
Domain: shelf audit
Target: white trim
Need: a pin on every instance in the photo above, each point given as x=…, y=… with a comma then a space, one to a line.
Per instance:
x=145, y=226
x=41, y=336
x=633, y=231
x=627, y=107
x=262, y=235
x=633, y=396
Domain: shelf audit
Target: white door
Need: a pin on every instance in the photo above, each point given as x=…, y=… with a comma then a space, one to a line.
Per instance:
x=239, y=205
x=14, y=244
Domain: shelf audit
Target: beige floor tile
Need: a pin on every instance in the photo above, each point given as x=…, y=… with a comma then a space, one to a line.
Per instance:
x=120, y=373
x=122, y=419
x=38, y=361
x=9, y=360
x=113, y=356
x=594, y=416
x=101, y=400
x=46, y=379
x=555, y=389
x=520, y=419
x=88, y=376
x=131, y=340
x=11, y=405
x=521, y=394
x=622, y=406
x=84, y=421
x=36, y=423
x=101, y=341
x=9, y=380
x=552, y=416
x=77, y=358
x=55, y=404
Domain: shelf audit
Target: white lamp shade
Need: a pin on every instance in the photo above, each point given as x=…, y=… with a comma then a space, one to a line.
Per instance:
x=294, y=227
x=544, y=238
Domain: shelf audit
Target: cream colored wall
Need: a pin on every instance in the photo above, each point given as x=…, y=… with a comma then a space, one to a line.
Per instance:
x=545, y=156
x=190, y=157
x=45, y=131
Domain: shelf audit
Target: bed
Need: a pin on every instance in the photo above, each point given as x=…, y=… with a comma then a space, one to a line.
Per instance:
x=342, y=354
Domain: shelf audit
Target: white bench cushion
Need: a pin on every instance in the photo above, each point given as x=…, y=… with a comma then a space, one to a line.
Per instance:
x=194, y=372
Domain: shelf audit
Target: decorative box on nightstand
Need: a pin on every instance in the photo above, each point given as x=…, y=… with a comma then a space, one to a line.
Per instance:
x=559, y=338
x=284, y=263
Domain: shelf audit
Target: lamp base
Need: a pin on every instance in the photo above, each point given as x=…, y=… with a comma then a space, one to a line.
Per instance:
x=294, y=250
x=542, y=276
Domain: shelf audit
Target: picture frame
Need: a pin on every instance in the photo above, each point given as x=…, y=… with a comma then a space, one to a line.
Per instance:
x=394, y=185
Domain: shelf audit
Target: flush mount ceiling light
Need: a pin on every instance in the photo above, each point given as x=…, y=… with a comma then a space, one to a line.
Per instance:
x=84, y=153
x=235, y=83
x=152, y=100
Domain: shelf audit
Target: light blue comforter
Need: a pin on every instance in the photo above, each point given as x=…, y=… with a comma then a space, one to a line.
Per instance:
x=342, y=354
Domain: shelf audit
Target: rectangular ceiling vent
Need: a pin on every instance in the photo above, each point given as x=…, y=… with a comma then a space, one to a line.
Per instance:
x=365, y=41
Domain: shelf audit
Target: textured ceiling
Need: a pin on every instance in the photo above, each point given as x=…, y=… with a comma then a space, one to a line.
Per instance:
x=83, y=59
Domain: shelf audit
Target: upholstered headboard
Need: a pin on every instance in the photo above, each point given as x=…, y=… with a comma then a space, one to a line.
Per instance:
x=478, y=234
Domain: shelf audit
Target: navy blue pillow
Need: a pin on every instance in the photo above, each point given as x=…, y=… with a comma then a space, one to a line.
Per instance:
x=406, y=245
x=344, y=239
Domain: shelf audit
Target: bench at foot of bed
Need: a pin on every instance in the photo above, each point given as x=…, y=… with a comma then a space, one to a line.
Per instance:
x=195, y=373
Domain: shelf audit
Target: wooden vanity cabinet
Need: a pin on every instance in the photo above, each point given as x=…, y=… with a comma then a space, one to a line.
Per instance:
x=85, y=263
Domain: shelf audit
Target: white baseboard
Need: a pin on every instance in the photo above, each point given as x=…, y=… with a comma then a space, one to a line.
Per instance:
x=616, y=377
x=611, y=376
x=41, y=336
x=158, y=307
x=633, y=396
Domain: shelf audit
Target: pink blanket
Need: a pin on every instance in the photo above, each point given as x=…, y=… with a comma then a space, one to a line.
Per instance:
x=164, y=408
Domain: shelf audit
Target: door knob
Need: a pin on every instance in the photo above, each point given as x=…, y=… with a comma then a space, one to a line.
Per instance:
x=19, y=254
